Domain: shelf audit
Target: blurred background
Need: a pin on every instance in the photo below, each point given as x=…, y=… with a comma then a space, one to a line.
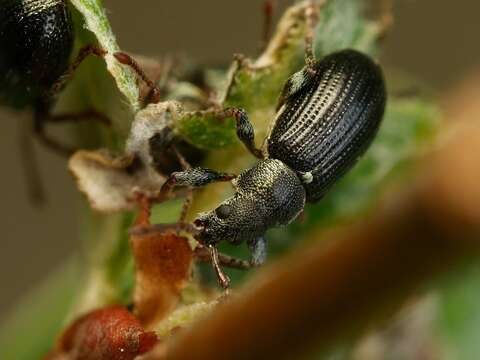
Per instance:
x=436, y=42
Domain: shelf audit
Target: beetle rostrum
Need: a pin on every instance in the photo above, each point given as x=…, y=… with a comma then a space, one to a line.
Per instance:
x=328, y=114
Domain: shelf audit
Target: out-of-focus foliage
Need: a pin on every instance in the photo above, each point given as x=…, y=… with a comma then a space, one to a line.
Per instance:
x=458, y=322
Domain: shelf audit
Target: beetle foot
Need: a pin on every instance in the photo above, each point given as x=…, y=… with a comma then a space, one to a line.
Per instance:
x=223, y=278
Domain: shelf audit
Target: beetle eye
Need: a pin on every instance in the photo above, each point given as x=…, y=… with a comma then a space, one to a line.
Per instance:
x=223, y=211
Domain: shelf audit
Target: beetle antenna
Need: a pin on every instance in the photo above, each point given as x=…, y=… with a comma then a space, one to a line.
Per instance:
x=84, y=52
x=127, y=60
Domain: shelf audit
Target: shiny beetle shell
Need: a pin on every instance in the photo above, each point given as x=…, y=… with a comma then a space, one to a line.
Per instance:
x=328, y=116
x=36, y=39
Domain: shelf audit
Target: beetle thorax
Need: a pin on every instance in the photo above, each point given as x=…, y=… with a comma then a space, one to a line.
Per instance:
x=268, y=194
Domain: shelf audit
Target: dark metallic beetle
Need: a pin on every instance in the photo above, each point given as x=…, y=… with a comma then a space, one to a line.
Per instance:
x=329, y=112
x=36, y=40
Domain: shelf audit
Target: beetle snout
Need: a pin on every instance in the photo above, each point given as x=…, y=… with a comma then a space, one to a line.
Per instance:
x=206, y=230
x=200, y=223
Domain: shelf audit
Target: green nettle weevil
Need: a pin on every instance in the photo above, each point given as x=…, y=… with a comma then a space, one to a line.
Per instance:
x=328, y=114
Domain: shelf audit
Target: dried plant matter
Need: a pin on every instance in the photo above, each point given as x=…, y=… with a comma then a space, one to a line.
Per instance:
x=163, y=264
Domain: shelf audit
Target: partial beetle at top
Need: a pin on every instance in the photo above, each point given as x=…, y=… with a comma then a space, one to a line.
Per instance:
x=36, y=39
x=36, y=42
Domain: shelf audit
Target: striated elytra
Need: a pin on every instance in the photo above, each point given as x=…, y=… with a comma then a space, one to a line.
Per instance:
x=328, y=116
x=36, y=40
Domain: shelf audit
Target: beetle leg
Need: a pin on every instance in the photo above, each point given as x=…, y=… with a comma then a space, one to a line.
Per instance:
x=244, y=127
x=258, y=248
x=42, y=117
x=223, y=278
x=53, y=144
x=88, y=115
x=193, y=177
x=82, y=55
x=39, y=129
x=127, y=60
x=245, y=131
x=203, y=254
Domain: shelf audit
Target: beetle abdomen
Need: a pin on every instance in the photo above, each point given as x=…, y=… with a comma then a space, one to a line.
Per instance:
x=328, y=118
x=36, y=38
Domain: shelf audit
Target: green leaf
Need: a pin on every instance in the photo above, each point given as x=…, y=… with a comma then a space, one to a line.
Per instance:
x=110, y=89
x=342, y=25
x=97, y=22
x=206, y=132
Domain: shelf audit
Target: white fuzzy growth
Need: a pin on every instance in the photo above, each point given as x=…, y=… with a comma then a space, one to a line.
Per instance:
x=296, y=82
x=148, y=122
x=307, y=177
x=103, y=178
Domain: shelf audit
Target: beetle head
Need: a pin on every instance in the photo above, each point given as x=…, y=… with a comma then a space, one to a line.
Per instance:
x=236, y=219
